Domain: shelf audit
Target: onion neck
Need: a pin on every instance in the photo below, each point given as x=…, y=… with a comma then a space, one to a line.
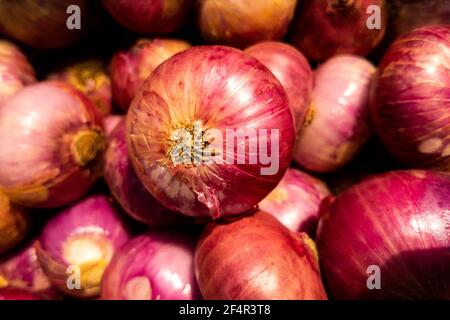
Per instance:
x=86, y=146
x=91, y=275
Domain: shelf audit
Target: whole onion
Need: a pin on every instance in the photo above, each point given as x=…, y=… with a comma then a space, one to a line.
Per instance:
x=51, y=140
x=292, y=69
x=394, y=226
x=257, y=258
x=155, y=16
x=339, y=125
x=78, y=244
x=199, y=131
x=14, y=223
x=128, y=189
x=153, y=266
x=410, y=103
x=243, y=23
x=17, y=294
x=110, y=122
x=296, y=201
x=129, y=69
x=328, y=27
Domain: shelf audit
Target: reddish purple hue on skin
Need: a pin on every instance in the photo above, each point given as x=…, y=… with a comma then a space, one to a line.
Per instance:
x=292, y=69
x=296, y=201
x=257, y=258
x=325, y=28
x=339, y=125
x=410, y=104
x=397, y=221
x=46, y=157
x=110, y=122
x=129, y=69
x=153, y=266
x=14, y=223
x=17, y=294
x=222, y=89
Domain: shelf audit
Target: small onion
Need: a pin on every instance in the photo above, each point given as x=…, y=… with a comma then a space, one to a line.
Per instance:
x=292, y=69
x=193, y=130
x=296, y=201
x=17, y=294
x=80, y=241
x=257, y=258
x=153, y=266
x=411, y=98
x=394, y=226
x=339, y=125
x=13, y=224
x=328, y=27
x=129, y=69
x=51, y=140
x=243, y=23
x=110, y=122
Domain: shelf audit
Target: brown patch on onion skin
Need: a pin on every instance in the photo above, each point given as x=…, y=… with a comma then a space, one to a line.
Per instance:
x=13, y=224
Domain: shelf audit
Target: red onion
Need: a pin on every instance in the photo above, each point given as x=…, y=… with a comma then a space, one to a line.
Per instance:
x=339, y=125
x=153, y=266
x=296, y=201
x=129, y=69
x=51, y=140
x=17, y=294
x=328, y=27
x=260, y=259
x=128, y=189
x=14, y=223
x=144, y=16
x=292, y=69
x=84, y=237
x=110, y=122
x=410, y=106
x=194, y=128
x=243, y=23
x=396, y=224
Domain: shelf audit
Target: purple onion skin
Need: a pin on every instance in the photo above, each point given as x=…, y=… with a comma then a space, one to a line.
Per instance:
x=296, y=201
x=14, y=224
x=339, y=122
x=397, y=221
x=110, y=122
x=292, y=69
x=17, y=294
x=153, y=266
x=410, y=103
x=51, y=142
x=86, y=235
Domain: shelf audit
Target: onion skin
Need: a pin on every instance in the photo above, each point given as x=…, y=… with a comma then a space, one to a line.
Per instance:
x=110, y=122
x=153, y=266
x=339, y=125
x=17, y=294
x=410, y=98
x=292, y=69
x=260, y=260
x=14, y=223
x=51, y=142
x=325, y=28
x=243, y=23
x=85, y=235
x=221, y=88
x=129, y=69
x=296, y=201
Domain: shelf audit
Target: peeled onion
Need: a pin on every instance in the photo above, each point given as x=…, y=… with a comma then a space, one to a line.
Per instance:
x=14, y=223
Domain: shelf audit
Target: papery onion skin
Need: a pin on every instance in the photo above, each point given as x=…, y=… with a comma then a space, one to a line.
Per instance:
x=14, y=223
x=86, y=236
x=216, y=88
x=110, y=122
x=129, y=69
x=397, y=221
x=154, y=266
x=325, y=28
x=410, y=103
x=243, y=23
x=17, y=294
x=296, y=201
x=51, y=142
x=292, y=69
x=340, y=122
x=257, y=258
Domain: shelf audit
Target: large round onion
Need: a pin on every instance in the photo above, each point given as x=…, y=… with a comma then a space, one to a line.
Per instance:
x=339, y=125
x=296, y=201
x=153, y=266
x=51, y=140
x=410, y=106
x=13, y=223
x=292, y=69
x=257, y=258
x=395, y=226
x=80, y=241
x=242, y=23
x=129, y=69
x=178, y=124
x=328, y=27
